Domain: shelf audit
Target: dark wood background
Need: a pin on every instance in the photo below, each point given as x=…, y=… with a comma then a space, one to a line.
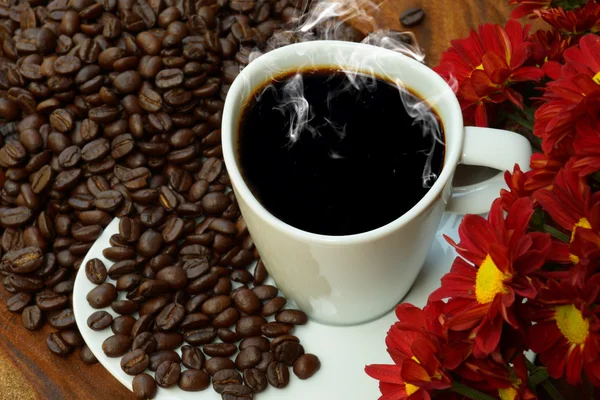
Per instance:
x=29, y=371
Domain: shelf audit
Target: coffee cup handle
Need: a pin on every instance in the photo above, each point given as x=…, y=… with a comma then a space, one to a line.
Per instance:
x=494, y=148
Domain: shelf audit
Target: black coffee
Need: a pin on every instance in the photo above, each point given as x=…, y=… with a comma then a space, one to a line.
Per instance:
x=338, y=154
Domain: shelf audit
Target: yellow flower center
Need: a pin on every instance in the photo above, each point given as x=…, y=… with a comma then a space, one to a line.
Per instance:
x=574, y=259
x=410, y=389
x=596, y=78
x=489, y=281
x=571, y=324
x=480, y=66
x=509, y=393
x=582, y=223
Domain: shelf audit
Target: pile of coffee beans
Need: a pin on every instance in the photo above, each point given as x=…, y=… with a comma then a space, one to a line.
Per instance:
x=112, y=108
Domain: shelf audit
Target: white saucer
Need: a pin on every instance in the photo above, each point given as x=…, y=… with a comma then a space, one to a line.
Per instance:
x=343, y=351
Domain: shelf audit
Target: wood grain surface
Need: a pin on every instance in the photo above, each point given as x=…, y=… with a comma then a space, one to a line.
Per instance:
x=29, y=371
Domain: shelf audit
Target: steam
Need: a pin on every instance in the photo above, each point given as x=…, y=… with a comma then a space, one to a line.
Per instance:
x=328, y=20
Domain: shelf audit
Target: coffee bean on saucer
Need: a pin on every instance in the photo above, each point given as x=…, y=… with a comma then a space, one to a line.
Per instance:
x=306, y=366
x=294, y=317
x=144, y=387
x=193, y=380
x=255, y=379
x=224, y=378
x=99, y=320
x=192, y=357
x=412, y=17
x=116, y=345
x=278, y=375
x=167, y=373
x=135, y=362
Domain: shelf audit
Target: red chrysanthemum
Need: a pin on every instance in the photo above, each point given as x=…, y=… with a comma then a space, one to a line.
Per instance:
x=490, y=376
x=569, y=201
x=587, y=147
x=549, y=46
x=578, y=21
x=527, y=7
x=567, y=332
x=486, y=65
x=516, y=185
x=573, y=98
x=498, y=257
x=543, y=171
x=417, y=371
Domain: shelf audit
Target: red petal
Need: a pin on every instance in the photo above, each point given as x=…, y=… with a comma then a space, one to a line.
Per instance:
x=527, y=74
x=414, y=373
x=574, y=365
x=385, y=373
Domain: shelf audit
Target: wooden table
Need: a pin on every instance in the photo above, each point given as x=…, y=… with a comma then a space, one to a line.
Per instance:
x=29, y=371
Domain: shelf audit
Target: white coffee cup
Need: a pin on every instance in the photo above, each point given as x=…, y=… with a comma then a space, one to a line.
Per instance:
x=355, y=278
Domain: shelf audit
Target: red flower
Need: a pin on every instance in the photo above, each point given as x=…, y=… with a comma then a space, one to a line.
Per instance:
x=568, y=203
x=498, y=255
x=543, y=171
x=486, y=64
x=527, y=7
x=587, y=147
x=417, y=371
x=549, y=46
x=574, y=22
x=516, y=185
x=490, y=376
x=567, y=335
x=573, y=98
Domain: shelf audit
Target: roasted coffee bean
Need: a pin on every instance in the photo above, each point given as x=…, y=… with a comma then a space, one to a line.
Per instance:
x=170, y=317
x=306, y=366
x=255, y=380
x=99, y=320
x=135, y=362
x=24, y=260
x=200, y=336
x=258, y=341
x=248, y=358
x=220, y=349
x=226, y=318
x=412, y=17
x=250, y=326
x=151, y=306
x=216, y=364
x=144, y=387
x=167, y=373
x=294, y=317
x=265, y=292
x=278, y=375
x=215, y=203
x=266, y=359
x=50, y=301
x=174, y=276
x=168, y=340
x=86, y=355
x=123, y=325
x=143, y=324
x=275, y=329
x=153, y=287
x=192, y=357
x=149, y=243
x=18, y=302
x=246, y=301
x=116, y=345
x=118, y=253
x=260, y=274
x=108, y=200
x=193, y=380
x=62, y=319
x=32, y=318
x=273, y=306
x=124, y=307
x=72, y=337
x=102, y=295
x=224, y=378
x=57, y=345
x=146, y=342
x=121, y=268
x=237, y=392
x=286, y=349
x=159, y=357
x=216, y=305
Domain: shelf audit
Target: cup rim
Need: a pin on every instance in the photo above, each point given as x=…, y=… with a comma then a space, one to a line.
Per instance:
x=269, y=59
